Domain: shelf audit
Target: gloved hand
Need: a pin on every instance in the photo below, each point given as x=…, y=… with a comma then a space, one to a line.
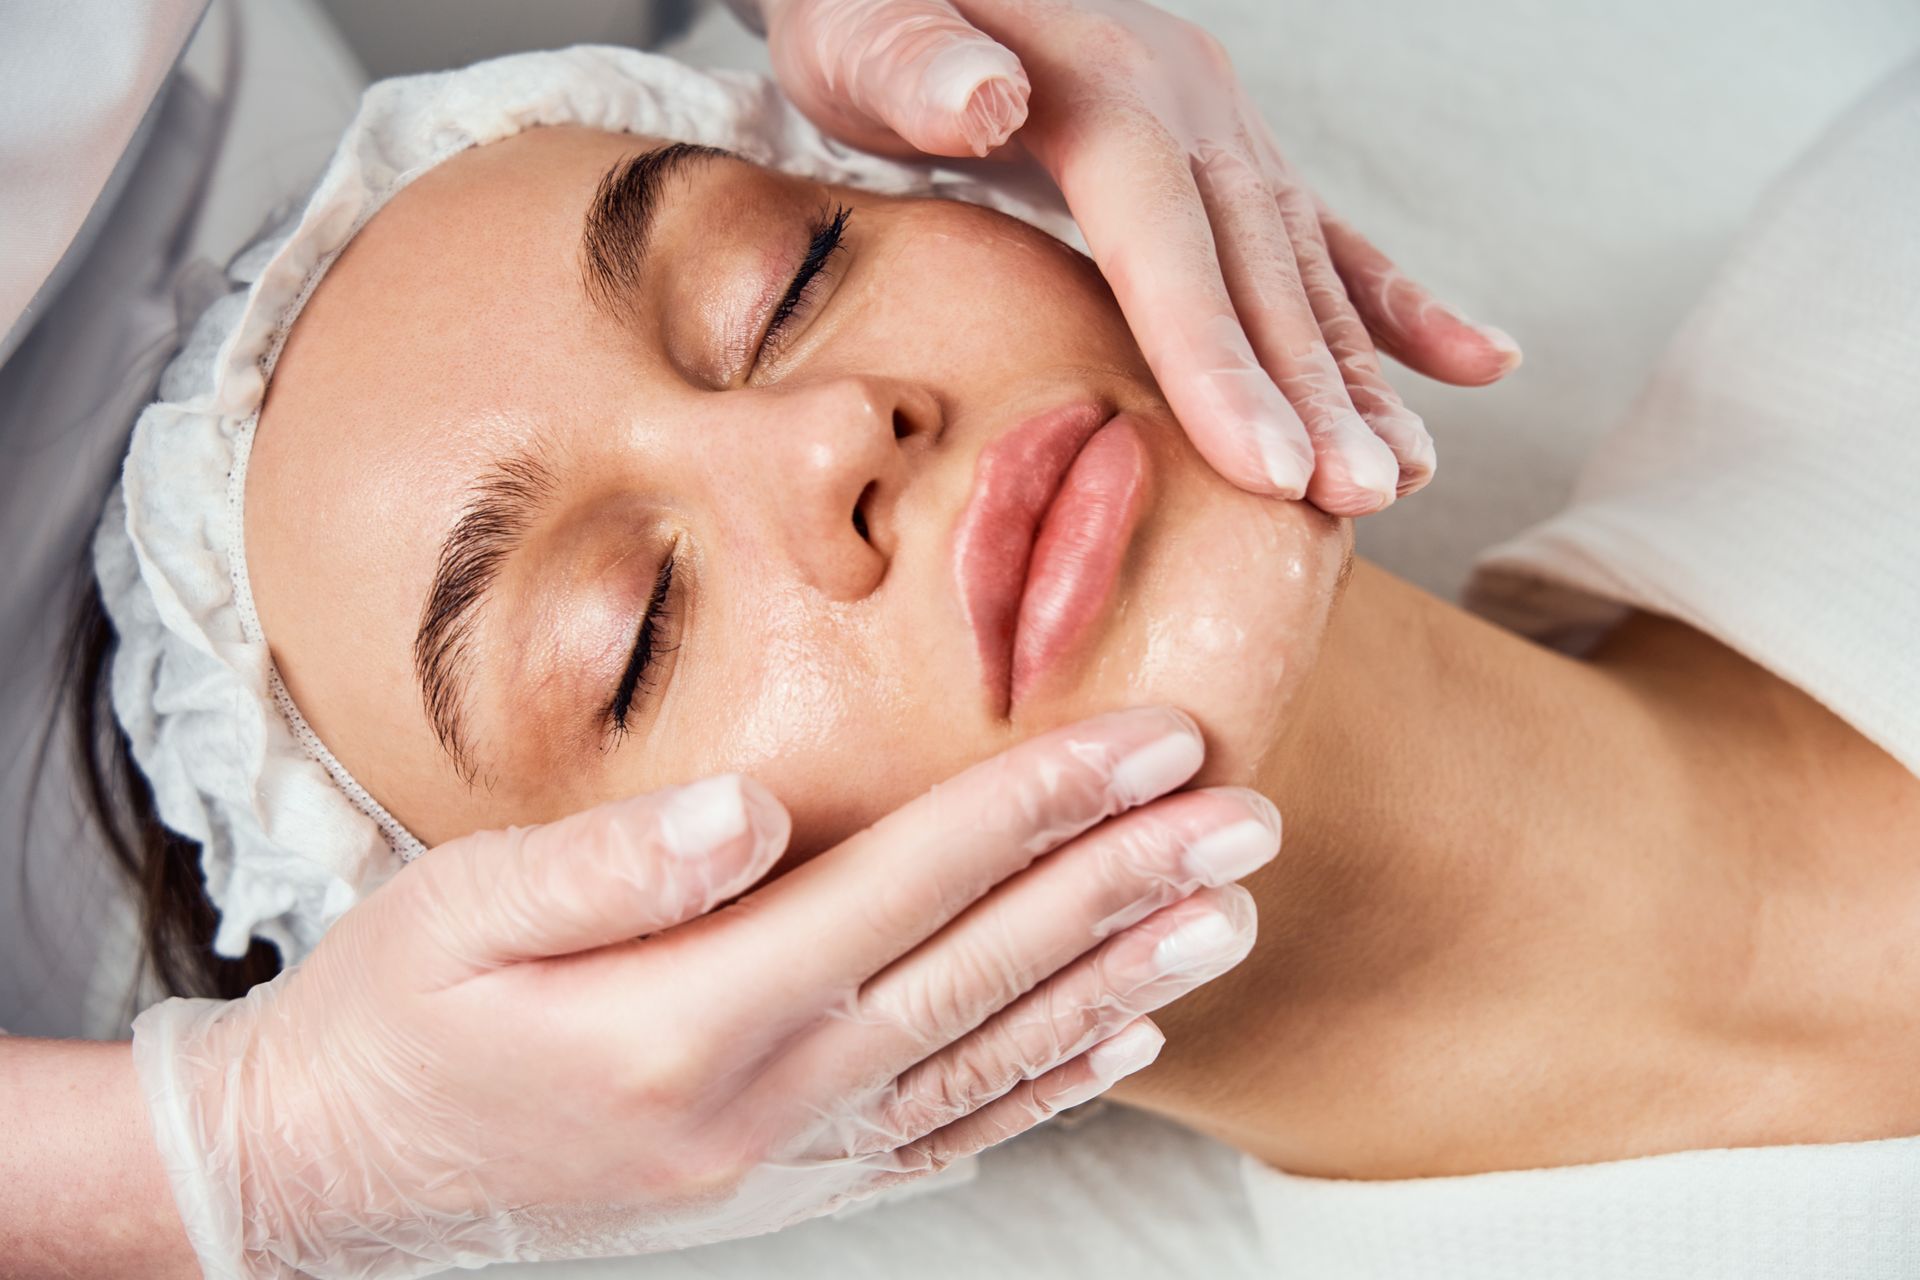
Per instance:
x=1252, y=302
x=535, y=1045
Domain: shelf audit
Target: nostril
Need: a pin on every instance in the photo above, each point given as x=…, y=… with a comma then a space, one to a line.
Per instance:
x=901, y=427
x=860, y=516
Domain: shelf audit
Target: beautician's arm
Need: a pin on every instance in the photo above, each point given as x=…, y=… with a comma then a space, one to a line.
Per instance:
x=1537, y=911
x=85, y=1194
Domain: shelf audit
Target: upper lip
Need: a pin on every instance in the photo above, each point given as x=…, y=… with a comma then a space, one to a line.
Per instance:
x=1015, y=480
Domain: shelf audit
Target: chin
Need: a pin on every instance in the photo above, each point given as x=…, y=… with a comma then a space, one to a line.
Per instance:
x=1221, y=613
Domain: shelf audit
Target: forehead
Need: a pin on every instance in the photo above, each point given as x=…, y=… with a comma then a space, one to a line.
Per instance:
x=455, y=303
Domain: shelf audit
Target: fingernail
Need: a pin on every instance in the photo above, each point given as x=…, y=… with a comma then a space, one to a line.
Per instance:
x=1370, y=463
x=1233, y=851
x=982, y=84
x=1078, y=1094
x=1502, y=341
x=1421, y=459
x=1197, y=944
x=703, y=816
x=1158, y=767
x=1286, y=470
x=994, y=110
x=1130, y=1051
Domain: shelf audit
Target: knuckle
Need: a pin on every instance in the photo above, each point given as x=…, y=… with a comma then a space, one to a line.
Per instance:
x=670, y=1077
x=1111, y=41
x=918, y=1160
x=1206, y=51
x=1034, y=1039
x=1049, y=795
x=961, y=1086
x=917, y=1108
x=1149, y=848
x=929, y=1011
x=972, y=1077
x=994, y=1061
x=712, y=1172
x=1030, y=1101
x=896, y=904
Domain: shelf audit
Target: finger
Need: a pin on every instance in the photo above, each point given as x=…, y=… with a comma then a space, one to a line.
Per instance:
x=1156, y=249
x=1148, y=966
x=879, y=73
x=1037, y=923
x=1354, y=473
x=1028, y=1104
x=900, y=881
x=1396, y=426
x=607, y=875
x=1410, y=324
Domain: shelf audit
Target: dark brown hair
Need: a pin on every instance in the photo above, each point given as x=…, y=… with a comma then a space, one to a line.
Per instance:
x=177, y=919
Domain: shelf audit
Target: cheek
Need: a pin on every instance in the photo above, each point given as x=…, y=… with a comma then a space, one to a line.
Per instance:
x=804, y=701
x=1232, y=611
x=972, y=296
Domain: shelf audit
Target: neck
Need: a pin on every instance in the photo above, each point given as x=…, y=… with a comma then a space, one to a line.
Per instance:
x=1428, y=785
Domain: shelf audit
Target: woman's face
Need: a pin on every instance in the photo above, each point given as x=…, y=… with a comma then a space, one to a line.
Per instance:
x=526, y=401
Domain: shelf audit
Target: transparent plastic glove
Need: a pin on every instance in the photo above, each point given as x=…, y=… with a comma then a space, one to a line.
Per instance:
x=535, y=1045
x=1258, y=310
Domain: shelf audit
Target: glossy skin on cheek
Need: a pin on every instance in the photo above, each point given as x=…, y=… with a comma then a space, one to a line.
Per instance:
x=1232, y=612
x=811, y=707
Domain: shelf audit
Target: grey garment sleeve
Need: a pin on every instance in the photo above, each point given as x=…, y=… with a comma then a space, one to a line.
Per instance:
x=748, y=11
x=77, y=94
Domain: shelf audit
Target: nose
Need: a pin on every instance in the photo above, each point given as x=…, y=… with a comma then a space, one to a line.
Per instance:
x=833, y=457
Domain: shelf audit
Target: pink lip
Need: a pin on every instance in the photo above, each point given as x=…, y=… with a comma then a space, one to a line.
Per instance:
x=1038, y=547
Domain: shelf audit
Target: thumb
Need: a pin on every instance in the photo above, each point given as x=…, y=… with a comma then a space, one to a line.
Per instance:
x=880, y=73
x=608, y=875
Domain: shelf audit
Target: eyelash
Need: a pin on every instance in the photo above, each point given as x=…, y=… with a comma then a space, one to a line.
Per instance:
x=828, y=233
x=647, y=645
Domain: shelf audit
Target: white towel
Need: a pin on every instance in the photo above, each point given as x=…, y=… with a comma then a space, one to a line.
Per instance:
x=1766, y=487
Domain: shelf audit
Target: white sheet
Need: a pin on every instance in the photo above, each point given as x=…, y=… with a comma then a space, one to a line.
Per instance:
x=1763, y=488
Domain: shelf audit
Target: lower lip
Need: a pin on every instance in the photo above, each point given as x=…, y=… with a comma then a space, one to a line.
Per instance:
x=1078, y=550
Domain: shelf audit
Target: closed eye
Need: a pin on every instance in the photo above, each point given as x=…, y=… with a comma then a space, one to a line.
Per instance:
x=829, y=230
x=648, y=644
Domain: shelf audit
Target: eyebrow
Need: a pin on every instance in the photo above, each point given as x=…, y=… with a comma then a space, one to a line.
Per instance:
x=506, y=499
x=621, y=216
